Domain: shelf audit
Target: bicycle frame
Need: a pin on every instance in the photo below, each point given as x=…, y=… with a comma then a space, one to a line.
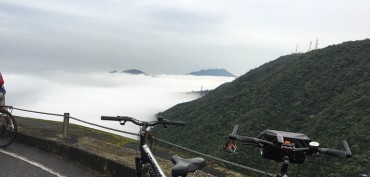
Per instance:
x=147, y=162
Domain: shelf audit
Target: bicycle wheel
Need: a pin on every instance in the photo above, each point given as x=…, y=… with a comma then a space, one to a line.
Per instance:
x=8, y=128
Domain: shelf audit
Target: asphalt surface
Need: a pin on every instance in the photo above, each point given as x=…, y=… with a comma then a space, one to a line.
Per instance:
x=84, y=148
x=22, y=160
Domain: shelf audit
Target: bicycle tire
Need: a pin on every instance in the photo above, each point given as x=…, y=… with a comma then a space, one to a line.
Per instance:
x=7, y=132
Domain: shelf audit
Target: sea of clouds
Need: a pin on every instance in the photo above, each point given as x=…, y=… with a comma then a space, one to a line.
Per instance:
x=88, y=96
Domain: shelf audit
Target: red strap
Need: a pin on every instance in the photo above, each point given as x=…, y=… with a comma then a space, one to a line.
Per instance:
x=1, y=79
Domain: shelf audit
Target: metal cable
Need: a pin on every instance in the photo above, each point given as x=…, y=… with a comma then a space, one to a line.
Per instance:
x=38, y=112
x=215, y=158
x=102, y=126
x=163, y=141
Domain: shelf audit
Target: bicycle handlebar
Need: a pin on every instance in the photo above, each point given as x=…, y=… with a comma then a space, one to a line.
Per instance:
x=118, y=118
x=250, y=140
x=247, y=139
x=332, y=152
x=160, y=120
x=337, y=153
x=326, y=151
x=311, y=149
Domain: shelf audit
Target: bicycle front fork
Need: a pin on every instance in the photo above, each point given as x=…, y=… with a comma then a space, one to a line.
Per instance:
x=138, y=166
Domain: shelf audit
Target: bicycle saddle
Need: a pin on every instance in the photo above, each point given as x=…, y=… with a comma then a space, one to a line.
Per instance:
x=184, y=166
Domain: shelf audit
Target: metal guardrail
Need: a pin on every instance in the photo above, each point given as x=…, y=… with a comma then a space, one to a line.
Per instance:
x=66, y=117
x=215, y=158
x=66, y=121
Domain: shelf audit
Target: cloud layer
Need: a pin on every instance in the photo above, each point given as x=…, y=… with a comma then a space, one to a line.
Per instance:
x=88, y=96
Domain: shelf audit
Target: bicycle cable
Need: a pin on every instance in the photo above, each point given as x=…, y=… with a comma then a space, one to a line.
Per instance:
x=155, y=142
x=277, y=164
x=299, y=168
x=138, y=144
x=263, y=172
x=152, y=137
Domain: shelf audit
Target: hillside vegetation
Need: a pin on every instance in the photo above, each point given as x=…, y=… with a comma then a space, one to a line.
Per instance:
x=324, y=94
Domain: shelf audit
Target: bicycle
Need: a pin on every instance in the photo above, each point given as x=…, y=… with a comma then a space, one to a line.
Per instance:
x=146, y=164
x=8, y=127
x=287, y=147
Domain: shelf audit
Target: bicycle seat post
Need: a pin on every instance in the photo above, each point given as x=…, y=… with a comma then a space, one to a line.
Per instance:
x=284, y=168
x=286, y=149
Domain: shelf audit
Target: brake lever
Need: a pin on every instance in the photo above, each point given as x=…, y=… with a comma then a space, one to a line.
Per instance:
x=346, y=149
x=235, y=130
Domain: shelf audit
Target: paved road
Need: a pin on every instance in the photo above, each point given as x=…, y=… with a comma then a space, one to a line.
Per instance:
x=22, y=160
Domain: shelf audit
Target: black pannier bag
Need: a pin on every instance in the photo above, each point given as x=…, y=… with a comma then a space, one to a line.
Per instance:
x=273, y=153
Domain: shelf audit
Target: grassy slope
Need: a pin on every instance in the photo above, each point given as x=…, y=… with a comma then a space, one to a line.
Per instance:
x=323, y=93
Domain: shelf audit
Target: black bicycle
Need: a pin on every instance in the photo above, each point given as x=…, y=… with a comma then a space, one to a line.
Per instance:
x=8, y=127
x=146, y=164
x=286, y=147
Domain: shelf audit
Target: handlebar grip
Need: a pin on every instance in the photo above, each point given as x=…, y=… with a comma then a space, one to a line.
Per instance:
x=235, y=130
x=332, y=152
x=109, y=118
x=178, y=123
x=118, y=118
x=232, y=136
x=337, y=153
x=244, y=139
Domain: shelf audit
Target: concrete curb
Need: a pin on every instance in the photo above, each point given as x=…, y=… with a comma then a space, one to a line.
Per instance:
x=107, y=166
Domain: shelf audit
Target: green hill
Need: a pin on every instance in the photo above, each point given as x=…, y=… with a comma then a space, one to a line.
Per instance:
x=324, y=94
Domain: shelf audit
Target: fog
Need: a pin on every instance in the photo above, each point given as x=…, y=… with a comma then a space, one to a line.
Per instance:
x=88, y=96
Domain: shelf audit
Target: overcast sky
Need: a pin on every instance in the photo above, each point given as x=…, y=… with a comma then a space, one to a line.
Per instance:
x=169, y=36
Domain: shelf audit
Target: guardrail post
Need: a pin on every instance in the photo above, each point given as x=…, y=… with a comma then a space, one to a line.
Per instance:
x=65, y=125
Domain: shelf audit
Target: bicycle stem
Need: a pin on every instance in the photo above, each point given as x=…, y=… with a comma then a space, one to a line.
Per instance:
x=142, y=134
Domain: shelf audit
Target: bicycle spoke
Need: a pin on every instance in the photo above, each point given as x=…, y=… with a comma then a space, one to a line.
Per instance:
x=8, y=129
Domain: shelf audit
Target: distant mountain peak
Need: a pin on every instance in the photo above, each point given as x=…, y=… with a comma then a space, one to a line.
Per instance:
x=134, y=71
x=212, y=72
x=130, y=71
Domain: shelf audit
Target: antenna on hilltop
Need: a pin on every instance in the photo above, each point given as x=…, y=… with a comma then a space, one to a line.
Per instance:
x=296, y=49
x=309, y=49
x=317, y=43
x=201, y=91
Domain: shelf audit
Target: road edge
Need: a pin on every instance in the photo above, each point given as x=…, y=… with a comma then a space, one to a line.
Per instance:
x=93, y=161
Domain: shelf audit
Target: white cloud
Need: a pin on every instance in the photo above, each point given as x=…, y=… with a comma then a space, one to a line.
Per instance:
x=88, y=96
